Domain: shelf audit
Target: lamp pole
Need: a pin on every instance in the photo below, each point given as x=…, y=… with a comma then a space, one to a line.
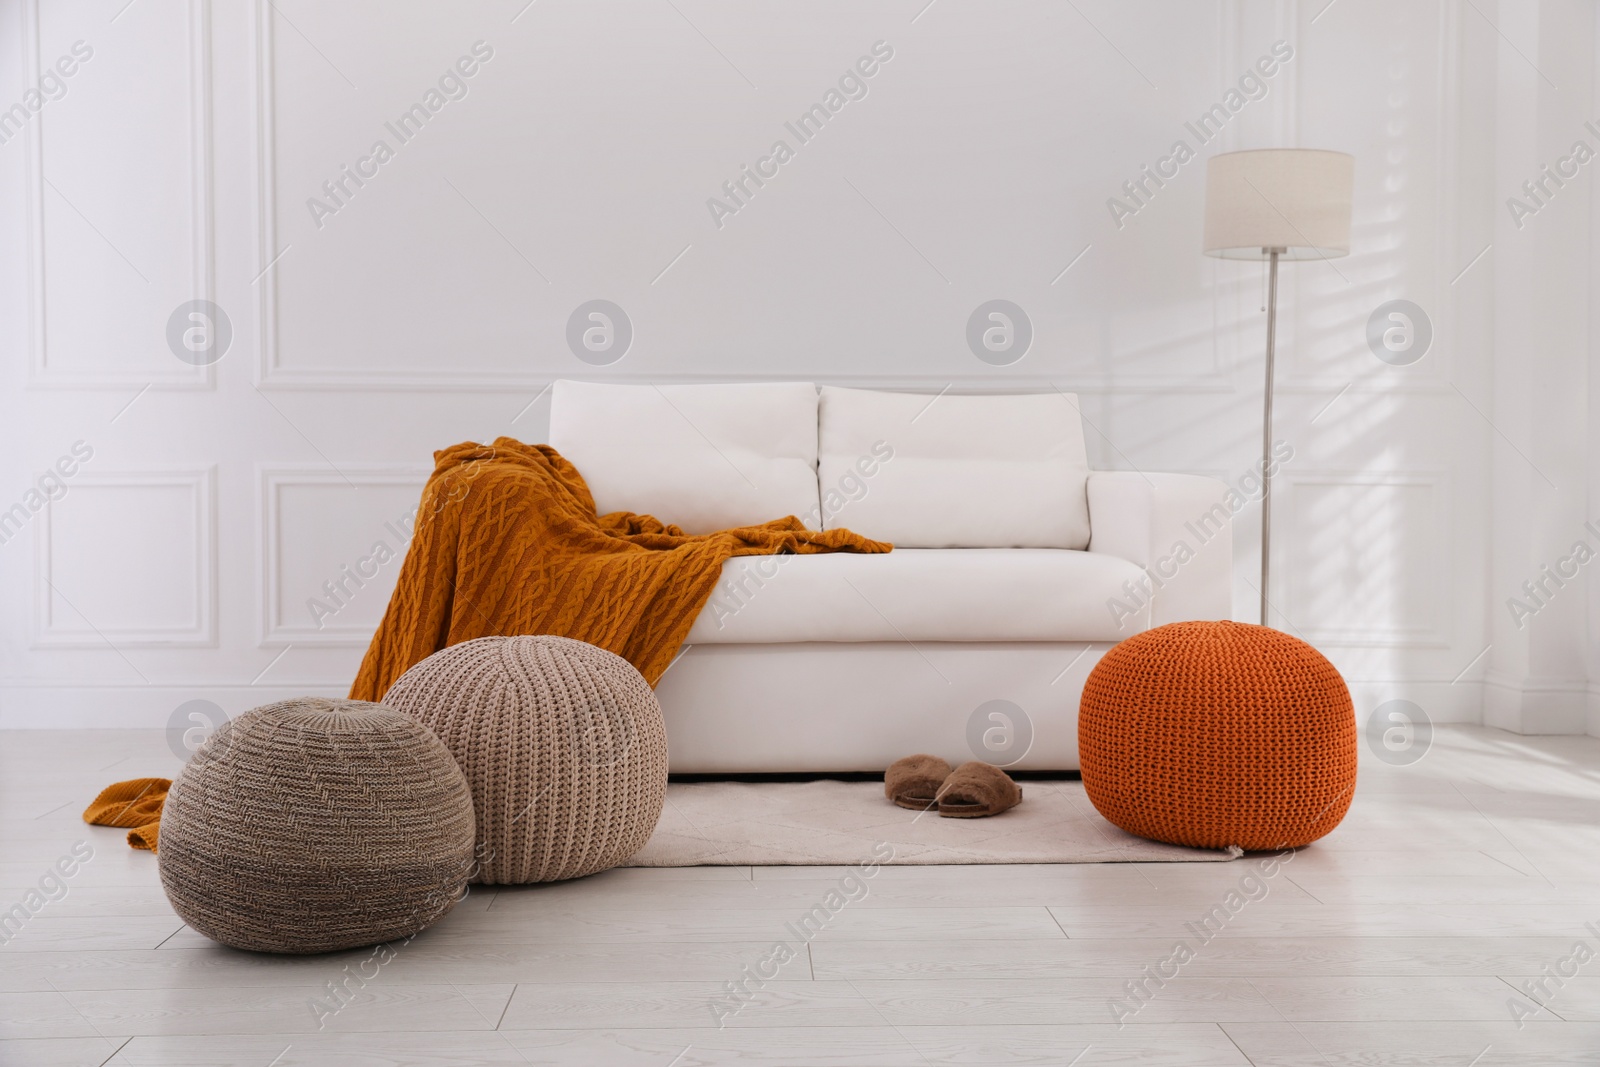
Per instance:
x=1266, y=427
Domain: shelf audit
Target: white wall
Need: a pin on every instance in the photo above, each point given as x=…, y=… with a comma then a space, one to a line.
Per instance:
x=1541, y=669
x=432, y=306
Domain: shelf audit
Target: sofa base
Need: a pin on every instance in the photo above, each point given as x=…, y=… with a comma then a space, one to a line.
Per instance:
x=815, y=707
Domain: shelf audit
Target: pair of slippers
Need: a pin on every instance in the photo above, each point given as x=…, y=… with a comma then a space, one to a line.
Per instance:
x=971, y=791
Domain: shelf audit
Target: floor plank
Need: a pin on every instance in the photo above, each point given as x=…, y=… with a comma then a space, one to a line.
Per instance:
x=59, y=1051
x=645, y=924
x=380, y=1007
x=1495, y=1043
x=1241, y=957
x=843, y=1046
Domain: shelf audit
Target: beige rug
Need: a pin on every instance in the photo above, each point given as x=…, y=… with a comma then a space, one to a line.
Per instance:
x=831, y=823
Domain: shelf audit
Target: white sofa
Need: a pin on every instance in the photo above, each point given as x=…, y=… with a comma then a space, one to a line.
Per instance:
x=1015, y=567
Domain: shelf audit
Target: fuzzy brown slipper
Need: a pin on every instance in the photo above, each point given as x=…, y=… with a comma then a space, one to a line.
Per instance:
x=976, y=789
x=914, y=782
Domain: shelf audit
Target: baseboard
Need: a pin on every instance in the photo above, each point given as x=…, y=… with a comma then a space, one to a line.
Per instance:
x=1537, y=705
x=1441, y=699
x=24, y=707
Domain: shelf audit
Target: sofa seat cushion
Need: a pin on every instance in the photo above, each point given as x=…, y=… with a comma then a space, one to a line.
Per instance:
x=703, y=457
x=950, y=471
x=924, y=594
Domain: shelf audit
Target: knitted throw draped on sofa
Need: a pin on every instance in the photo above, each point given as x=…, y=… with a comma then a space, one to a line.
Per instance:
x=507, y=542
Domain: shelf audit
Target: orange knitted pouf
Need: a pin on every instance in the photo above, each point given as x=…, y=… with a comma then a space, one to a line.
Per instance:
x=1212, y=734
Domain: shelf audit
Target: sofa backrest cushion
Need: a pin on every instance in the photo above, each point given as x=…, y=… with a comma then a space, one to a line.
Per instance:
x=962, y=472
x=705, y=457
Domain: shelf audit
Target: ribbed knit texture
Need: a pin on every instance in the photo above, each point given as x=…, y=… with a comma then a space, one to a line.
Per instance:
x=507, y=542
x=1212, y=734
x=312, y=825
x=563, y=744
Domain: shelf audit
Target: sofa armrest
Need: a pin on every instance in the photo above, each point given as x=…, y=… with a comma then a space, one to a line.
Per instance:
x=1178, y=528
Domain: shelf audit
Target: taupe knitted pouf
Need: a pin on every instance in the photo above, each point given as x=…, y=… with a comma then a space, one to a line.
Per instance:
x=312, y=825
x=562, y=742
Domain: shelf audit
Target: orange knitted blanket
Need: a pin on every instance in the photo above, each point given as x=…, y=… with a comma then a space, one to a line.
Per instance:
x=507, y=542
x=135, y=803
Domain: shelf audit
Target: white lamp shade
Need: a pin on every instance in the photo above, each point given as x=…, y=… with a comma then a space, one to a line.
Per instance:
x=1294, y=200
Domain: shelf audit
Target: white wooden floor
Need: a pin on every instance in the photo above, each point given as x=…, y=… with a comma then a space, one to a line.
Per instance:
x=1403, y=938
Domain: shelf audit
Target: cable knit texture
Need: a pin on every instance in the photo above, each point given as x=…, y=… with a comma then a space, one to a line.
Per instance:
x=135, y=803
x=508, y=542
x=312, y=825
x=1211, y=734
x=562, y=743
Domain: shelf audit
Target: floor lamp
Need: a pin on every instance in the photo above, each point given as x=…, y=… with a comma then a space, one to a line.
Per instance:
x=1272, y=204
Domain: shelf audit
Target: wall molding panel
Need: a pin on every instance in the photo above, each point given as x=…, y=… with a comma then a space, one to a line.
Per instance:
x=42, y=373
x=70, y=626
x=280, y=625
x=1298, y=555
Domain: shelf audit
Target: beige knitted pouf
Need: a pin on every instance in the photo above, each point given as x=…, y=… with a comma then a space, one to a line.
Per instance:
x=312, y=825
x=563, y=743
